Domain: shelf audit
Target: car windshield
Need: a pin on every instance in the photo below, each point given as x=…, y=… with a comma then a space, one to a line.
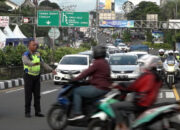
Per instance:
x=74, y=60
x=123, y=60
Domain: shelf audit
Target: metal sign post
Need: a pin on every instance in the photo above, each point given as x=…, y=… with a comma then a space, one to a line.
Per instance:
x=53, y=34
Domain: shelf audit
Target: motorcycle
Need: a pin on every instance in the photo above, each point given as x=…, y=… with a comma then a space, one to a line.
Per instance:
x=159, y=117
x=171, y=70
x=59, y=113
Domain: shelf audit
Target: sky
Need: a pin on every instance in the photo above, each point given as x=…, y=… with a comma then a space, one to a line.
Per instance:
x=84, y=5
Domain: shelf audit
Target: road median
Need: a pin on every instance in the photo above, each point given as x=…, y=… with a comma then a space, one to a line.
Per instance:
x=6, y=84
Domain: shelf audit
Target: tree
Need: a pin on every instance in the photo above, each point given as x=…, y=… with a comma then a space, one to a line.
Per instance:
x=149, y=36
x=47, y=3
x=142, y=9
x=126, y=36
x=3, y=7
x=168, y=11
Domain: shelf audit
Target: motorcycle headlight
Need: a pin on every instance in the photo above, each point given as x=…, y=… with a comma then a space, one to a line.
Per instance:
x=171, y=69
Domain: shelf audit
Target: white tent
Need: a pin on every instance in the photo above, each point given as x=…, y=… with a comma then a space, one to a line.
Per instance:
x=8, y=32
x=2, y=39
x=17, y=32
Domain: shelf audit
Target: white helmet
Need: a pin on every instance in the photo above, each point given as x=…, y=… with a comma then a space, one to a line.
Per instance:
x=170, y=52
x=176, y=52
x=147, y=62
x=161, y=50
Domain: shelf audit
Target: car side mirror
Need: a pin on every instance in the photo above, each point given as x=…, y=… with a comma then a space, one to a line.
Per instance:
x=56, y=64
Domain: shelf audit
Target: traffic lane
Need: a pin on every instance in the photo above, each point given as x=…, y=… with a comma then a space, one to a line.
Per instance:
x=12, y=109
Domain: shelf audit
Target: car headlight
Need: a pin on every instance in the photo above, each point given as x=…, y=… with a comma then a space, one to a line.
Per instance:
x=137, y=71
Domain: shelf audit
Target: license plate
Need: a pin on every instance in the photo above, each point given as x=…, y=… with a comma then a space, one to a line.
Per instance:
x=122, y=76
x=67, y=76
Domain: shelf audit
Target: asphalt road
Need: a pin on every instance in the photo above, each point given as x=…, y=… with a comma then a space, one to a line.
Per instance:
x=12, y=107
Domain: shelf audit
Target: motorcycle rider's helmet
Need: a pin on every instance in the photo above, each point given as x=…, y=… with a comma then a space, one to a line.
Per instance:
x=148, y=62
x=170, y=53
x=99, y=51
x=161, y=52
x=176, y=52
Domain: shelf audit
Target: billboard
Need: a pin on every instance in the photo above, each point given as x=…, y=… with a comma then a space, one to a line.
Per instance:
x=107, y=16
x=174, y=23
x=158, y=36
x=4, y=21
x=117, y=23
x=105, y=4
x=119, y=5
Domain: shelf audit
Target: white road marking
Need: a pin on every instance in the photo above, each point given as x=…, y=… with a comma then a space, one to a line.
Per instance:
x=11, y=91
x=170, y=95
x=50, y=91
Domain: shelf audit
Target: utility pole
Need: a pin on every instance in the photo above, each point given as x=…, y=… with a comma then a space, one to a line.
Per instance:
x=35, y=19
x=97, y=21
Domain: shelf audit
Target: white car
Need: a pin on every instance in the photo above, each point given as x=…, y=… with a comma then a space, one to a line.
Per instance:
x=124, y=66
x=138, y=53
x=123, y=46
x=70, y=64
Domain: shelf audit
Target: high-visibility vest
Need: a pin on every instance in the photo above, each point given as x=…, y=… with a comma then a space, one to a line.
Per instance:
x=178, y=57
x=33, y=70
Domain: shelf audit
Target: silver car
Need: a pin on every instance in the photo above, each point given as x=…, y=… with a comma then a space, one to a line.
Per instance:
x=124, y=66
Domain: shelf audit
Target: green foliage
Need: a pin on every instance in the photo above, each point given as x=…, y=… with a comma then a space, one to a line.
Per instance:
x=143, y=8
x=89, y=44
x=27, y=30
x=168, y=37
x=177, y=37
x=158, y=46
x=149, y=36
x=168, y=11
x=49, y=4
x=2, y=58
x=126, y=36
x=13, y=55
x=27, y=11
x=4, y=7
x=115, y=36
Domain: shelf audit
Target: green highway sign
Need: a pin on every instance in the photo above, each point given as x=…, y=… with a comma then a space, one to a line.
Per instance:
x=74, y=19
x=48, y=18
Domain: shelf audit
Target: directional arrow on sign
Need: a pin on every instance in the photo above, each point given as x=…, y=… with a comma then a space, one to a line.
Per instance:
x=48, y=22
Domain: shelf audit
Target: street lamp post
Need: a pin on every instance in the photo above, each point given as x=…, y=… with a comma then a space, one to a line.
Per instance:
x=35, y=19
x=97, y=1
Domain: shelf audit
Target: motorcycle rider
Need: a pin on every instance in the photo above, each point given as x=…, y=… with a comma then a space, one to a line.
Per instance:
x=177, y=56
x=99, y=79
x=146, y=89
x=162, y=55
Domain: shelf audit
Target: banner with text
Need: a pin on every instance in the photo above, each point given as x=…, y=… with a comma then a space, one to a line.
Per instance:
x=4, y=21
x=117, y=23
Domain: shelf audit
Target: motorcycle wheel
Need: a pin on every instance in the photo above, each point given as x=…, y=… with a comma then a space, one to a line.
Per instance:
x=98, y=124
x=57, y=118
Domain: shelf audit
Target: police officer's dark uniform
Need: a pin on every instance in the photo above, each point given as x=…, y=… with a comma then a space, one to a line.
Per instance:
x=32, y=62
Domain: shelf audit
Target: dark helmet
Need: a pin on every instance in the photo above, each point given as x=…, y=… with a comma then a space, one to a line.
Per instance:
x=99, y=52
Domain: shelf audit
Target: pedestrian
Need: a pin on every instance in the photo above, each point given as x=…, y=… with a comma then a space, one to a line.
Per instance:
x=32, y=63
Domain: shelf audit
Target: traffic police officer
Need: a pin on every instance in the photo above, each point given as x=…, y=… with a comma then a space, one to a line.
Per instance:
x=161, y=55
x=32, y=61
x=177, y=56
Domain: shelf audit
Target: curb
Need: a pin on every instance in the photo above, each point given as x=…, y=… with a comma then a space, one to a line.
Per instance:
x=20, y=81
